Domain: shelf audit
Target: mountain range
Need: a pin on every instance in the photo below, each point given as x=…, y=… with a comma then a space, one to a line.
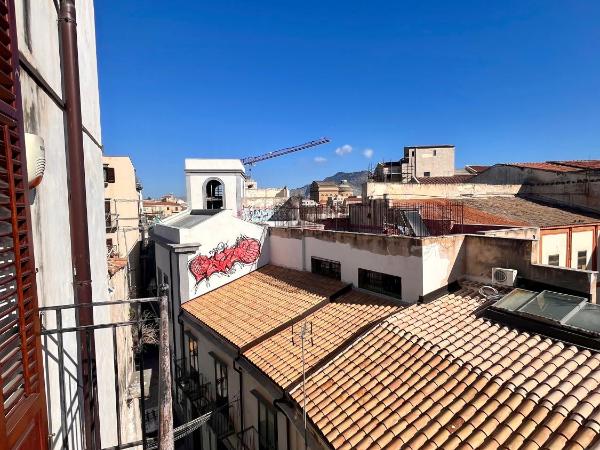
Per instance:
x=355, y=179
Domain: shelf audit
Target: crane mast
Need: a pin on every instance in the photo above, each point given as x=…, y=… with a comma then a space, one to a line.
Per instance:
x=251, y=160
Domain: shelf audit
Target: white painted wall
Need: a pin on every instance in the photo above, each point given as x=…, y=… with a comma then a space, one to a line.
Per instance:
x=297, y=254
x=218, y=233
x=230, y=172
x=553, y=244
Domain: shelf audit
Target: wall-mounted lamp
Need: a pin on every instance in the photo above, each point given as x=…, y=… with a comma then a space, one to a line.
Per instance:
x=36, y=159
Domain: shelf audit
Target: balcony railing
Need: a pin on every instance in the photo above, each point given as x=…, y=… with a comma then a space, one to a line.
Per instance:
x=193, y=384
x=244, y=440
x=414, y=219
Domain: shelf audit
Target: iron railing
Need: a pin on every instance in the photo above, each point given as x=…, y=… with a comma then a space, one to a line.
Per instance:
x=53, y=328
x=194, y=385
x=415, y=219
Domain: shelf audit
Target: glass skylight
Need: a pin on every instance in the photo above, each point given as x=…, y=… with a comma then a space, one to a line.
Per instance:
x=567, y=310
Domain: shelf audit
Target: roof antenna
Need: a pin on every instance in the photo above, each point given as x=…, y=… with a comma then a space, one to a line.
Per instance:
x=305, y=334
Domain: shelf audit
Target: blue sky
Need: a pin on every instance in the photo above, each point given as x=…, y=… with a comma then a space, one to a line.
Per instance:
x=503, y=81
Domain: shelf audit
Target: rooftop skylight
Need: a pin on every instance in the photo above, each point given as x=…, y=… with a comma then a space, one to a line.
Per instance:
x=569, y=312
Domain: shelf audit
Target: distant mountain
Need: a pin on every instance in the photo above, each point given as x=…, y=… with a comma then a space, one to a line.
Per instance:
x=355, y=179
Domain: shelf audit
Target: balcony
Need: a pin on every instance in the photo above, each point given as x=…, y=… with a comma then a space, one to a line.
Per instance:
x=244, y=440
x=111, y=221
x=194, y=385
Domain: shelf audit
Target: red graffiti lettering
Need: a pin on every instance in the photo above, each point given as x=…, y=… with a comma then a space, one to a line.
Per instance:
x=224, y=259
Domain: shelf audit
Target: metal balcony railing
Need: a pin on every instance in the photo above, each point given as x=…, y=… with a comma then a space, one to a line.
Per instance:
x=244, y=440
x=194, y=385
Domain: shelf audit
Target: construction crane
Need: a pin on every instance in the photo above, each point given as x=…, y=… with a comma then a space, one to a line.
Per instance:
x=251, y=160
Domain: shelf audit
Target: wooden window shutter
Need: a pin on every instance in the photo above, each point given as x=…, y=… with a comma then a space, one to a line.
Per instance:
x=22, y=404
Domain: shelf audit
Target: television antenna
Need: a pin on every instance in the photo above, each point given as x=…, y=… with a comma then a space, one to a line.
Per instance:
x=304, y=335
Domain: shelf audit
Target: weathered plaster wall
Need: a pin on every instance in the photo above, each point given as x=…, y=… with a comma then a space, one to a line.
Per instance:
x=555, y=244
x=402, y=191
x=582, y=241
x=393, y=255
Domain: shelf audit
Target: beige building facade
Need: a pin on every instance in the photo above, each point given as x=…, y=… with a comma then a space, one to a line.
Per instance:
x=122, y=206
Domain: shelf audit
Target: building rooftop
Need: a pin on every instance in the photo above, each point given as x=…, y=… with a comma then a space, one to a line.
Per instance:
x=531, y=212
x=260, y=302
x=332, y=325
x=436, y=376
x=560, y=166
x=446, y=180
x=476, y=168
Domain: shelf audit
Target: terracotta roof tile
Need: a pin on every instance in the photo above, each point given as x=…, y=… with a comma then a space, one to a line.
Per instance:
x=332, y=325
x=255, y=304
x=435, y=376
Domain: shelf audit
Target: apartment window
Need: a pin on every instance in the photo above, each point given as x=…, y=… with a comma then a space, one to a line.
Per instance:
x=582, y=260
x=553, y=260
x=107, y=214
x=382, y=283
x=435, y=153
x=193, y=353
x=109, y=174
x=326, y=267
x=426, y=174
x=221, y=382
x=267, y=426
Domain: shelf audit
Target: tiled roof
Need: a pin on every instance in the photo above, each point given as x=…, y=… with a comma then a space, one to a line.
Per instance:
x=476, y=169
x=530, y=212
x=560, y=166
x=435, y=376
x=332, y=325
x=257, y=303
x=593, y=164
x=455, y=179
x=549, y=166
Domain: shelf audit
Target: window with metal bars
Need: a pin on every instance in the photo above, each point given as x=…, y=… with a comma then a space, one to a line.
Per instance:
x=382, y=283
x=326, y=267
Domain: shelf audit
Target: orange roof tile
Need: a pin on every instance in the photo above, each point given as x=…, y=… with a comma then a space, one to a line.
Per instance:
x=255, y=304
x=435, y=376
x=332, y=325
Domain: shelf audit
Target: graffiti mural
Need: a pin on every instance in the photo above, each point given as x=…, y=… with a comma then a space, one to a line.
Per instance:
x=224, y=259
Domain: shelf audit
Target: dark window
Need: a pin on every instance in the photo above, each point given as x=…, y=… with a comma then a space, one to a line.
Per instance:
x=109, y=174
x=193, y=353
x=214, y=195
x=267, y=426
x=582, y=260
x=107, y=214
x=426, y=174
x=326, y=268
x=553, y=260
x=435, y=153
x=221, y=383
x=381, y=283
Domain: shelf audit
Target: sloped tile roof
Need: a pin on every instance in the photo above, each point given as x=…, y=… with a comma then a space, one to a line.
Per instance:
x=435, y=376
x=331, y=326
x=477, y=168
x=548, y=166
x=593, y=164
x=259, y=302
x=531, y=212
x=455, y=179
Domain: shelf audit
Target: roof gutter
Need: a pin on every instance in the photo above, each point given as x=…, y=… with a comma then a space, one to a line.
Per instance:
x=80, y=251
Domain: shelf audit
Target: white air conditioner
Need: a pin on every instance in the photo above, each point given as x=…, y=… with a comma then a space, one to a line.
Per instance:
x=504, y=277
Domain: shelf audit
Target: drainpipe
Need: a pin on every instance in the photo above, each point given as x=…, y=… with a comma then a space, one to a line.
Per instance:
x=239, y=371
x=80, y=251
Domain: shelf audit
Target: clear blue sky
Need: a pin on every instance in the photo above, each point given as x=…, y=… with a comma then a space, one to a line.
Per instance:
x=503, y=81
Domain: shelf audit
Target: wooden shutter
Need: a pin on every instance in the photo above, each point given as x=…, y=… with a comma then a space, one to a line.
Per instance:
x=22, y=403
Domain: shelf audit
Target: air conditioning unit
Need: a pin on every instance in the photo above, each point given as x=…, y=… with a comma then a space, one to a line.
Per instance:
x=504, y=277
